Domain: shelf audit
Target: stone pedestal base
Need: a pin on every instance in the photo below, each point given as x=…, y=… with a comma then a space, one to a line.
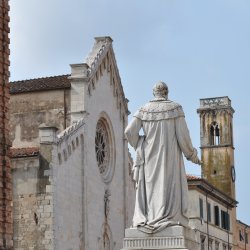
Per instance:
x=174, y=238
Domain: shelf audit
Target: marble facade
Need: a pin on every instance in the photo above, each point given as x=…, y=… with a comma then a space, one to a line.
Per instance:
x=75, y=190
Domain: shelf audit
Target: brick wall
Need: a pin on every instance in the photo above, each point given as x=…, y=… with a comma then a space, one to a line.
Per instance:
x=5, y=171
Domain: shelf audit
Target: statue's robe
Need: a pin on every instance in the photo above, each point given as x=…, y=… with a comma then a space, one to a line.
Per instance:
x=162, y=191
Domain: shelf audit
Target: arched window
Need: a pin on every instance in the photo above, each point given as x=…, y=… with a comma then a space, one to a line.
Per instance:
x=214, y=134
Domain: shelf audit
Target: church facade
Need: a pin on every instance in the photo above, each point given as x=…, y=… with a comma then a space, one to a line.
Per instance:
x=70, y=160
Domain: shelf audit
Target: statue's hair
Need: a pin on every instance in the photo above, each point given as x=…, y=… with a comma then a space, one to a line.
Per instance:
x=160, y=89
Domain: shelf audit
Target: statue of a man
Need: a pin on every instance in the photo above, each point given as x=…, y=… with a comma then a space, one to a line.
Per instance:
x=162, y=191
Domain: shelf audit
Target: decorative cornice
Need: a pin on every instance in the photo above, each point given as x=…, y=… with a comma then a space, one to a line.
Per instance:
x=208, y=188
x=215, y=103
x=243, y=224
x=102, y=49
x=99, y=51
x=69, y=131
x=101, y=57
x=121, y=91
x=215, y=110
x=225, y=145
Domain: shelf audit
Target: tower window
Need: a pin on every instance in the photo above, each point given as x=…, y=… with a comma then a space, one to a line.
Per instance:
x=214, y=134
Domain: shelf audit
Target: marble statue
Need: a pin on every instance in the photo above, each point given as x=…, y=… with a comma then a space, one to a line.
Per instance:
x=162, y=191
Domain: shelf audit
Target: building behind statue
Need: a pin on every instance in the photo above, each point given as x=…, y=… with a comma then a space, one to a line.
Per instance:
x=70, y=161
x=72, y=185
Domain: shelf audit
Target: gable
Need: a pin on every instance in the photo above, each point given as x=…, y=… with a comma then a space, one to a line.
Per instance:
x=100, y=60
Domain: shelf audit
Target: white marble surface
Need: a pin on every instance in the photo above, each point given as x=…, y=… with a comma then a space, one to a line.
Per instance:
x=175, y=237
x=162, y=193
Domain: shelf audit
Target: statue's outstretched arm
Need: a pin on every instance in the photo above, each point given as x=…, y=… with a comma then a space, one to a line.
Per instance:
x=184, y=140
x=132, y=132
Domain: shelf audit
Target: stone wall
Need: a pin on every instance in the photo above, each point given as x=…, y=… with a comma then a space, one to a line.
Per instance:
x=32, y=202
x=5, y=172
x=217, y=168
x=30, y=110
x=33, y=222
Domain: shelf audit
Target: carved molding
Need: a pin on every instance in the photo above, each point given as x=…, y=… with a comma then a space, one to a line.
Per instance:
x=215, y=101
x=70, y=131
x=71, y=141
x=154, y=242
x=95, y=61
x=102, y=57
x=106, y=204
x=106, y=239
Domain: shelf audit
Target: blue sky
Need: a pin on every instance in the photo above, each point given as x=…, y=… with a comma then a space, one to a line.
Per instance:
x=199, y=48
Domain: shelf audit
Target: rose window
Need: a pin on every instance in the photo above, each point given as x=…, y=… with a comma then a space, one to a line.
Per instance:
x=102, y=147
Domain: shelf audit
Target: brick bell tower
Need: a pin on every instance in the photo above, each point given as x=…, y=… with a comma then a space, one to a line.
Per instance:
x=6, y=232
x=217, y=149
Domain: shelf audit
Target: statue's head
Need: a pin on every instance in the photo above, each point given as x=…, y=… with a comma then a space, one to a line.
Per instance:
x=160, y=90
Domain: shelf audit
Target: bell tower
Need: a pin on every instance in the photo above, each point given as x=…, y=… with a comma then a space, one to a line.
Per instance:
x=217, y=149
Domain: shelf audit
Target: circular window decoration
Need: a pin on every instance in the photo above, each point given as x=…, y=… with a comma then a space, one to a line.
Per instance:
x=104, y=149
x=102, y=146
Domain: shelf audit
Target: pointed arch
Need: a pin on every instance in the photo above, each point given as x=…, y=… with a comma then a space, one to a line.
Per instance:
x=215, y=134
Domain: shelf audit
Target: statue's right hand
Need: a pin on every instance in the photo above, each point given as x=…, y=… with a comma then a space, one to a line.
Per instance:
x=136, y=174
x=197, y=161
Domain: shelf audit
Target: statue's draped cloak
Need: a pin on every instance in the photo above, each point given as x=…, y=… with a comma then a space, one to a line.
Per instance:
x=162, y=191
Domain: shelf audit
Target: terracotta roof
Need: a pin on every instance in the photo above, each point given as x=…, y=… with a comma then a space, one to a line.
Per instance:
x=23, y=152
x=193, y=177
x=38, y=84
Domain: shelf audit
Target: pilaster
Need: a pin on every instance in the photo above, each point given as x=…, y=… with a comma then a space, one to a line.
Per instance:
x=79, y=81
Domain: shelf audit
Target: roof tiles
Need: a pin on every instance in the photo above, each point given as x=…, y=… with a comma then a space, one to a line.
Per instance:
x=23, y=152
x=38, y=84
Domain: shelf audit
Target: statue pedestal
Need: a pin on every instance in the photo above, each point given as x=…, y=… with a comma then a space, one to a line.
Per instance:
x=171, y=238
